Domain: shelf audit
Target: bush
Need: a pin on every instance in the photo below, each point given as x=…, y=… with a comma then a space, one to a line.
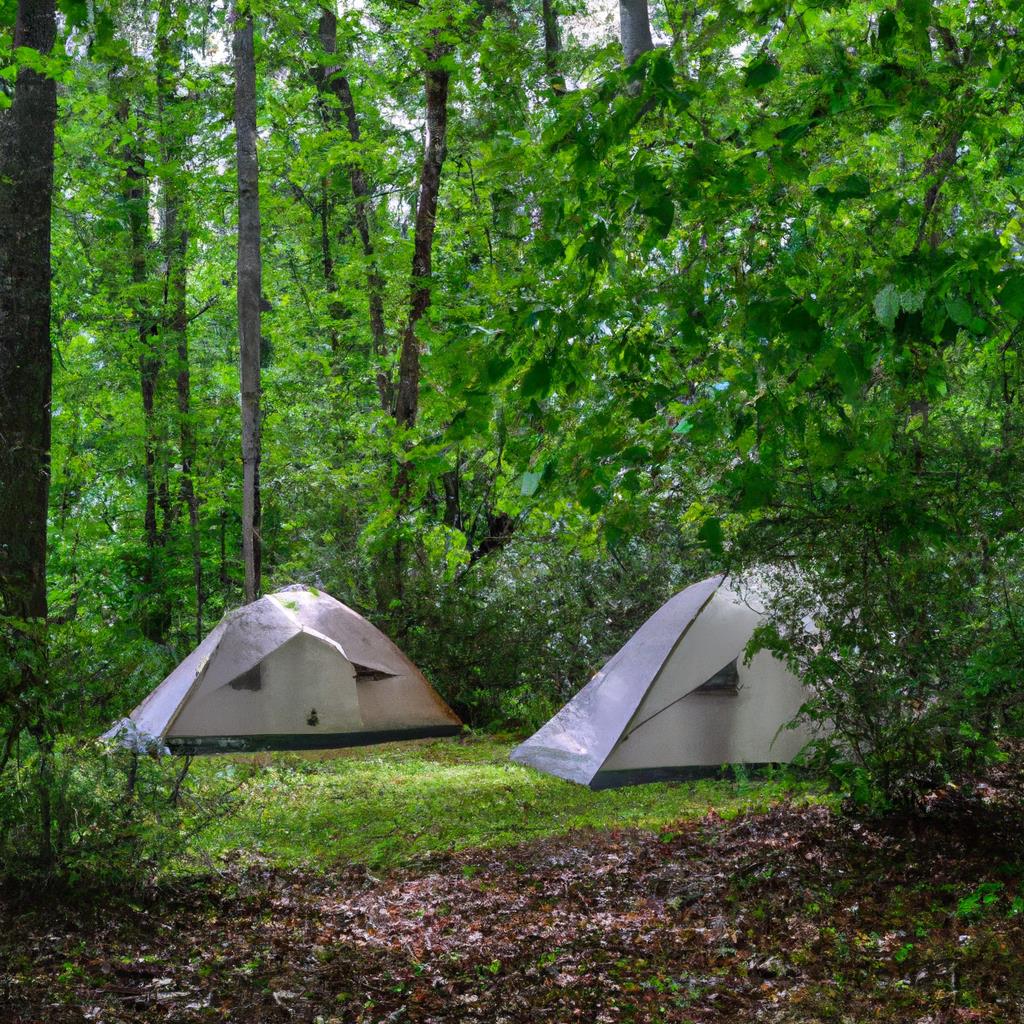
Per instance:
x=82, y=815
x=912, y=661
x=509, y=642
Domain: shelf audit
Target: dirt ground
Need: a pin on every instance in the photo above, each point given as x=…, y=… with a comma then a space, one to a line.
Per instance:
x=799, y=914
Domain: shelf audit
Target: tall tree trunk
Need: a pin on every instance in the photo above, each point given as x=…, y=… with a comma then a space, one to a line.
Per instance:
x=407, y=397
x=155, y=616
x=634, y=28
x=434, y=152
x=135, y=193
x=26, y=367
x=187, y=438
x=337, y=84
x=250, y=284
x=175, y=248
x=552, y=47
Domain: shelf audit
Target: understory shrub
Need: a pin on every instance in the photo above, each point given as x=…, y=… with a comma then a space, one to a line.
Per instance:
x=914, y=661
x=83, y=815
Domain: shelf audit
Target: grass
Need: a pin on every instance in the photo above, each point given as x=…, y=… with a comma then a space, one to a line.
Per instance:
x=393, y=805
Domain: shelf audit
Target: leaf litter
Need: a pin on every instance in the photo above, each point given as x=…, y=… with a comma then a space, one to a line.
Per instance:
x=799, y=914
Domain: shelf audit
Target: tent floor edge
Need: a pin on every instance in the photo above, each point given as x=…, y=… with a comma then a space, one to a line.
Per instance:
x=303, y=741
x=616, y=778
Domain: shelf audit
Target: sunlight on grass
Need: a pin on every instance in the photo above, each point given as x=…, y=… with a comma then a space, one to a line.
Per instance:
x=391, y=805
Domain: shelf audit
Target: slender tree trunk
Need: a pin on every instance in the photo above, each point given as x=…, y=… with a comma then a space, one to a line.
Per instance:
x=434, y=152
x=186, y=425
x=337, y=84
x=175, y=250
x=26, y=368
x=552, y=47
x=250, y=284
x=407, y=398
x=634, y=28
x=135, y=192
x=148, y=370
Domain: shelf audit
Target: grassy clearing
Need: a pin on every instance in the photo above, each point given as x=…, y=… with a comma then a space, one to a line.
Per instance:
x=393, y=805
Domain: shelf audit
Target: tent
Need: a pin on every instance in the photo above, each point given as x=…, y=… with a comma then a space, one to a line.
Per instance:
x=295, y=670
x=677, y=701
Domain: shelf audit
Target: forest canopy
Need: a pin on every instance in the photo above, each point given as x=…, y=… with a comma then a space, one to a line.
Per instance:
x=541, y=314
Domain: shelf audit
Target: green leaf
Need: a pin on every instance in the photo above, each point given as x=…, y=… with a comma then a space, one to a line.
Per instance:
x=887, y=306
x=756, y=488
x=76, y=12
x=887, y=29
x=537, y=382
x=960, y=312
x=1011, y=295
x=794, y=132
x=643, y=407
x=662, y=213
x=853, y=186
x=760, y=73
x=848, y=375
x=529, y=482
x=917, y=16
x=495, y=369
x=801, y=328
x=711, y=534
x=593, y=499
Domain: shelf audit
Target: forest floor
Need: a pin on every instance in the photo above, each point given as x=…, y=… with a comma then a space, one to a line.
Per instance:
x=785, y=913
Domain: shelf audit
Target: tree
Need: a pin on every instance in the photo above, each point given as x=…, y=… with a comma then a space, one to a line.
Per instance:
x=791, y=336
x=552, y=47
x=435, y=148
x=172, y=131
x=250, y=294
x=634, y=28
x=26, y=185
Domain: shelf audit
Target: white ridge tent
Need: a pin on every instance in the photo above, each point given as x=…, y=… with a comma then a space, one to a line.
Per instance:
x=295, y=670
x=677, y=700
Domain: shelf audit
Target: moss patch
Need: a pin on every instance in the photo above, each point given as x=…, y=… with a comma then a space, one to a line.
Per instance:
x=396, y=804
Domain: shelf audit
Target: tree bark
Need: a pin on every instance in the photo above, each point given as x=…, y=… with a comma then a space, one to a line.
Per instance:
x=250, y=283
x=337, y=84
x=434, y=151
x=552, y=48
x=26, y=367
x=406, y=403
x=634, y=28
x=155, y=615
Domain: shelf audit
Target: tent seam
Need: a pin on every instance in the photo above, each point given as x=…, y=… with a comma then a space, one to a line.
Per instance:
x=682, y=636
x=661, y=667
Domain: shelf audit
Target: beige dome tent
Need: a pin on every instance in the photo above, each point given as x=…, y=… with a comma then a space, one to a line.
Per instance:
x=295, y=670
x=677, y=701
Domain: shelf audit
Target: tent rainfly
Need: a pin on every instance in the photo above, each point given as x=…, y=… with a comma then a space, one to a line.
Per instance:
x=296, y=670
x=677, y=701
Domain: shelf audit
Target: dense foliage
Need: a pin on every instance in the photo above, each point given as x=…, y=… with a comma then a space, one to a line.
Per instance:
x=810, y=257
x=751, y=302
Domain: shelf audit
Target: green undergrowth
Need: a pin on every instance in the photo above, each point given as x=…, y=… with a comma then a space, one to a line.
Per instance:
x=394, y=805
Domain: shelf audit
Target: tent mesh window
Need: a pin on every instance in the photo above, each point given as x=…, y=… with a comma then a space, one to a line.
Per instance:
x=725, y=680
